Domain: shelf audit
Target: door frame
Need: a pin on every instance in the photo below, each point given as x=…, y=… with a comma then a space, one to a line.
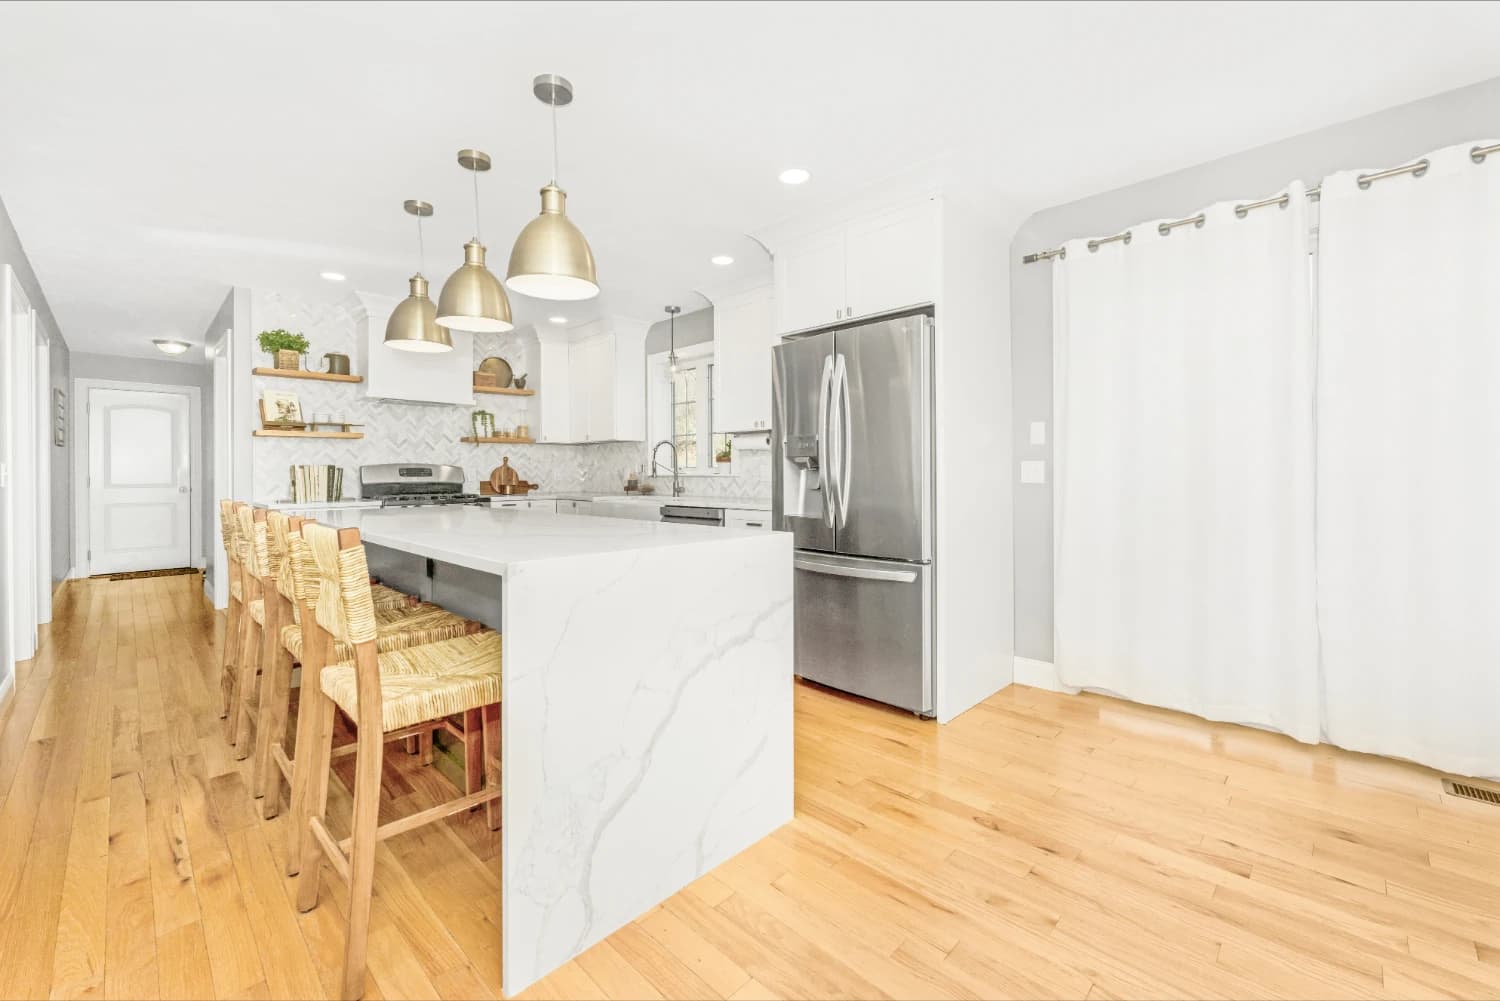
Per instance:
x=222, y=363
x=42, y=442
x=81, y=445
x=20, y=515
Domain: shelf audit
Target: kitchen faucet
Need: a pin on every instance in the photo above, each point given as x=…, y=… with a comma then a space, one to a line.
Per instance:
x=676, y=477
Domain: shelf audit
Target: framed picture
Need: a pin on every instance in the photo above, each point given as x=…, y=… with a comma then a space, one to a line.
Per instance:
x=280, y=407
x=59, y=418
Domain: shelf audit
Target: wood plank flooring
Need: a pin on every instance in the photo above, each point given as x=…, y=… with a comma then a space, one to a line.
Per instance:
x=1042, y=846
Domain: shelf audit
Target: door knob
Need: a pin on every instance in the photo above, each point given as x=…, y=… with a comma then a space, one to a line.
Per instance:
x=182, y=490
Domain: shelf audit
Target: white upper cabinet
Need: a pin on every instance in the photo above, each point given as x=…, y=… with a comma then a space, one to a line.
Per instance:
x=893, y=259
x=867, y=265
x=595, y=383
x=810, y=281
x=415, y=377
x=744, y=333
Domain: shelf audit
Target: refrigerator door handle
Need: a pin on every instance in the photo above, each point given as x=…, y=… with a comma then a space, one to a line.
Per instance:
x=826, y=459
x=846, y=440
x=814, y=565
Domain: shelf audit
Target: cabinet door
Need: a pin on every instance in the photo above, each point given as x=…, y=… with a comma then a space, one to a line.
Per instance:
x=810, y=281
x=554, y=398
x=601, y=389
x=760, y=520
x=743, y=326
x=894, y=259
x=582, y=366
x=542, y=506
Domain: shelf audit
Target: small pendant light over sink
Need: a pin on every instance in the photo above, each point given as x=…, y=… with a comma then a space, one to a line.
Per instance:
x=412, y=326
x=473, y=298
x=551, y=259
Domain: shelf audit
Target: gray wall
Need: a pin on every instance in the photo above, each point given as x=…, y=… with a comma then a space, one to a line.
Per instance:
x=1385, y=139
x=692, y=328
x=12, y=253
x=170, y=373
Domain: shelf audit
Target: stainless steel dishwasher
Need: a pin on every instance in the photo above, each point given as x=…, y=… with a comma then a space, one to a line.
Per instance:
x=680, y=515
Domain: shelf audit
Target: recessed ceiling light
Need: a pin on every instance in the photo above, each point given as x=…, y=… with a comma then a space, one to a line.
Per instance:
x=557, y=319
x=722, y=260
x=170, y=347
x=332, y=276
x=794, y=175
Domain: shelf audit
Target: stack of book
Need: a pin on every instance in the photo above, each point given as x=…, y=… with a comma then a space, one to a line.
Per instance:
x=311, y=484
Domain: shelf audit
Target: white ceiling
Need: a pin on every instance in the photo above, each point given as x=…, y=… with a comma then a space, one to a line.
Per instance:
x=151, y=156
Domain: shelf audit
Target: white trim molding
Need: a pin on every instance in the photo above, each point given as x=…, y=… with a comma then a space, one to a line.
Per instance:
x=1040, y=674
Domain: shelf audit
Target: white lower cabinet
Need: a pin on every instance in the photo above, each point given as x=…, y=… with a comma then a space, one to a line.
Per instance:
x=575, y=507
x=748, y=519
x=523, y=504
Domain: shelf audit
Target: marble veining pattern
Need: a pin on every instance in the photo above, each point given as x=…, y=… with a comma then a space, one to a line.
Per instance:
x=679, y=757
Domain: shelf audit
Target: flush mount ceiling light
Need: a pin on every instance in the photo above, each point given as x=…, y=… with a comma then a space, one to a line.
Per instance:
x=557, y=319
x=722, y=260
x=413, y=324
x=473, y=298
x=169, y=346
x=794, y=175
x=672, y=312
x=330, y=276
x=551, y=259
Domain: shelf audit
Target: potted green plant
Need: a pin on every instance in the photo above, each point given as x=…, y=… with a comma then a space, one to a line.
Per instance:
x=285, y=347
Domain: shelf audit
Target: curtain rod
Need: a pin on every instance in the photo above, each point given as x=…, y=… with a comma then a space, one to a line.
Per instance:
x=1416, y=169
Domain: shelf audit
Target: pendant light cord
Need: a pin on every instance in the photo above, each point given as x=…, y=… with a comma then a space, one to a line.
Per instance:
x=421, y=248
x=553, y=102
x=477, y=237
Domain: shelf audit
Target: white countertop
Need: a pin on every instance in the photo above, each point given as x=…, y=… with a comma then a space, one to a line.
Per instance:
x=490, y=540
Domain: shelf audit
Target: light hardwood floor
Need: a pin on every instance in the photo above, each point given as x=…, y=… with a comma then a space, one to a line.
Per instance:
x=1042, y=846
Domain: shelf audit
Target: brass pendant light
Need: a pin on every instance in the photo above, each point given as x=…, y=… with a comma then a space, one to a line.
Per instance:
x=412, y=326
x=473, y=298
x=551, y=259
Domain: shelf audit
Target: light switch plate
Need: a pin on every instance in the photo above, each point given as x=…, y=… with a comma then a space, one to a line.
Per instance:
x=1033, y=471
x=1039, y=432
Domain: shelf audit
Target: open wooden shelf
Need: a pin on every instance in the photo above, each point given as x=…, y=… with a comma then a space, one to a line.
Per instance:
x=504, y=391
x=498, y=440
x=279, y=433
x=297, y=373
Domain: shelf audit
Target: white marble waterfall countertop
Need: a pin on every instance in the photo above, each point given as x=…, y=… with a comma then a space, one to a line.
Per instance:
x=646, y=727
x=493, y=540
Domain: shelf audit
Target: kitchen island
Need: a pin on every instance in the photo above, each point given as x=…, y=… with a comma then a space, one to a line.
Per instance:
x=647, y=712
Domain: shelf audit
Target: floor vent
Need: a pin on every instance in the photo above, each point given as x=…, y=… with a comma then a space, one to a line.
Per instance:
x=1465, y=791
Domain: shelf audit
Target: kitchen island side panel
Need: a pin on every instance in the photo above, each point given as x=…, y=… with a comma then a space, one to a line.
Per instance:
x=646, y=733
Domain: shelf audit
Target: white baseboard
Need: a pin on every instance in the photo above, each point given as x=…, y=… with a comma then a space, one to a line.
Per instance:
x=1040, y=674
x=7, y=691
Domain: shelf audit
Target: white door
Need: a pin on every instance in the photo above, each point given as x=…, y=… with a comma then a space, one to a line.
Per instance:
x=810, y=282
x=893, y=259
x=140, y=498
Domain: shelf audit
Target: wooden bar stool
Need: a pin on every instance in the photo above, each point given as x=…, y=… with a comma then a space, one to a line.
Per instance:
x=228, y=528
x=401, y=621
x=388, y=695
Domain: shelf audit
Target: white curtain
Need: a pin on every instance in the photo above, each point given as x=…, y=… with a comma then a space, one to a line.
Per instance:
x=1409, y=462
x=1183, y=498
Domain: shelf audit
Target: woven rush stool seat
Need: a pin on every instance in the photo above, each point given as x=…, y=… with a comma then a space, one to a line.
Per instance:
x=425, y=682
x=397, y=627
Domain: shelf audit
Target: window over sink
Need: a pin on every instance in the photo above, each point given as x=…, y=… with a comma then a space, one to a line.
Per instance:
x=679, y=409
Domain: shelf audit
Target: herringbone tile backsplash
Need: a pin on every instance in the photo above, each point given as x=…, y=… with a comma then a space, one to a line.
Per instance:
x=415, y=432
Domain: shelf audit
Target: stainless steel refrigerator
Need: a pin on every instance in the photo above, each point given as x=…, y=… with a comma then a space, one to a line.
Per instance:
x=852, y=480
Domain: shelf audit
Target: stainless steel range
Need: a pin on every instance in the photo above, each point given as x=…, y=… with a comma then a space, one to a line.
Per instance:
x=411, y=484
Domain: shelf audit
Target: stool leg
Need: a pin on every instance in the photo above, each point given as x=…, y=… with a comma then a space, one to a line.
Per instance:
x=227, y=652
x=246, y=688
x=424, y=746
x=473, y=751
x=362, y=856
x=492, y=762
x=311, y=771
x=275, y=693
